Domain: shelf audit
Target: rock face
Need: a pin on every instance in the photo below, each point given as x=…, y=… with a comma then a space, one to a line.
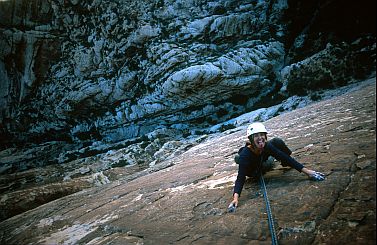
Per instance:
x=127, y=98
x=107, y=71
x=87, y=87
x=185, y=202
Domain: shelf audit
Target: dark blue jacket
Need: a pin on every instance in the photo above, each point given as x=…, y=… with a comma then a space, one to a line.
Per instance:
x=249, y=162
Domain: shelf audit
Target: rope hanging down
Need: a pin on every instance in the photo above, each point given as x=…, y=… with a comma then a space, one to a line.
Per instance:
x=274, y=240
x=269, y=213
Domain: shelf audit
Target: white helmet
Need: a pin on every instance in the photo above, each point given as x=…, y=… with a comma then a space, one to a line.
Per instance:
x=255, y=128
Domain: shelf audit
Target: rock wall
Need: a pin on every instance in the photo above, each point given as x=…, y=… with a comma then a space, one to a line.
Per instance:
x=106, y=71
x=97, y=92
x=185, y=202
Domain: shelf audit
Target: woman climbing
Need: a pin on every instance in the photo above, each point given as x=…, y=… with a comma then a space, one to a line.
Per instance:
x=254, y=159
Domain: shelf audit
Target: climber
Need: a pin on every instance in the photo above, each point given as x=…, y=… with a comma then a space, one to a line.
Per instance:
x=255, y=159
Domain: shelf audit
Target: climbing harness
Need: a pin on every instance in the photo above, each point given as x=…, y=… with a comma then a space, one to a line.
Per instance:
x=274, y=240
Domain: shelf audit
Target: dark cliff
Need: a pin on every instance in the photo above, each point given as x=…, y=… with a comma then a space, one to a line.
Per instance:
x=185, y=201
x=119, y=119
x=106, y=71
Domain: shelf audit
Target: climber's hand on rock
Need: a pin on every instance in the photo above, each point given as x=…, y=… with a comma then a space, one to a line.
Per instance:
x=317, y=176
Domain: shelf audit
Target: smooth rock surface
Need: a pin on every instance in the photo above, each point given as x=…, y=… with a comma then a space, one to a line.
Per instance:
x=185, y=203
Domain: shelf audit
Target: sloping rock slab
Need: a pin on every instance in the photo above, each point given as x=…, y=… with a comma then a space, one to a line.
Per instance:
x=186, y=202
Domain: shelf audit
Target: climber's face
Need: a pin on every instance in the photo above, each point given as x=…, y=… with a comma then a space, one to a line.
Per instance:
x=259, y=140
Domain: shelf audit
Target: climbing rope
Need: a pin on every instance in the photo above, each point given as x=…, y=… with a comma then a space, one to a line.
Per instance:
x=274, y=240
x=269, y=213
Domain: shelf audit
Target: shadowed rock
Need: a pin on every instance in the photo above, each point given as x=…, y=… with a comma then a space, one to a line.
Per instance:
x=186, y=202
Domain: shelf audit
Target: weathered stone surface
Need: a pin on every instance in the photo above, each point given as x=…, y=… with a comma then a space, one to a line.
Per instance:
x=186, y=201
x=112, y=70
